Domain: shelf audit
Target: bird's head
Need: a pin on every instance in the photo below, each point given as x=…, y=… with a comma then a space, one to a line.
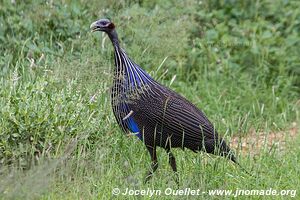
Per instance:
x=104, y=25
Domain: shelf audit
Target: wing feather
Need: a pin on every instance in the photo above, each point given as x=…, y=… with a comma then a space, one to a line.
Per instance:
x=176, y=114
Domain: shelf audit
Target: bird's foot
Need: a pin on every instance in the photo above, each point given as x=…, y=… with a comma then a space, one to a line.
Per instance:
x=154, y=166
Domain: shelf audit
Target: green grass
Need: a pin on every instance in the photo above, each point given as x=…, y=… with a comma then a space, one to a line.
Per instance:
x=236, y=60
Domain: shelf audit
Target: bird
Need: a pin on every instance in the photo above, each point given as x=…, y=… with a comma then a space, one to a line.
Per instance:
x=157, y=115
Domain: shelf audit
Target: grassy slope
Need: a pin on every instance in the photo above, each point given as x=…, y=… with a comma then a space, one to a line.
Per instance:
x=238, y=62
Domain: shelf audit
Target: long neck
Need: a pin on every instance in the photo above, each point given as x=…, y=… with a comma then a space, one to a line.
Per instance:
x=125, y=67
x=119, y=57
x=113, y=36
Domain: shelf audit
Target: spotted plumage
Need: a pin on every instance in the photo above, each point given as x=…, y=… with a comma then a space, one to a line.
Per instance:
x=158, y=116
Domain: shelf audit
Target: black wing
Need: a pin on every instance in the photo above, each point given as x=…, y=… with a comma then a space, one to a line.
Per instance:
x=174, y=113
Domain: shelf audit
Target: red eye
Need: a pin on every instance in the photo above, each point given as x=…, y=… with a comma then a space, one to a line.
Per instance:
x=111, y=26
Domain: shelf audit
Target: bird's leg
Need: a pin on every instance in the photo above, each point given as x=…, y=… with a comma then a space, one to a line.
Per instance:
x=154, y=164
x=172, y=162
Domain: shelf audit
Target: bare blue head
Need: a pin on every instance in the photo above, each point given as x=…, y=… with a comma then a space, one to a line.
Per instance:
x=105, y=25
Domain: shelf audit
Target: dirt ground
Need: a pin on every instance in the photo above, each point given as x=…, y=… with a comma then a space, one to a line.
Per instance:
x=256, y=141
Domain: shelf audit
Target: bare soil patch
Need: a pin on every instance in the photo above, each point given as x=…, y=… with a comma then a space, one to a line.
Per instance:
x=255, y=141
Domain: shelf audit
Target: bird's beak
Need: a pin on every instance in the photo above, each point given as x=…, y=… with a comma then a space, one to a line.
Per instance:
x=94, y=27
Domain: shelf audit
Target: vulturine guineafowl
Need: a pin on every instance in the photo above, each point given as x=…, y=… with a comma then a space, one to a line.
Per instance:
x=157, y=115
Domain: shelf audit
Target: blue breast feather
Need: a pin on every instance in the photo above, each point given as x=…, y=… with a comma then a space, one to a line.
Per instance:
x=130, y=123
x=133, y=127
x=140, y=76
